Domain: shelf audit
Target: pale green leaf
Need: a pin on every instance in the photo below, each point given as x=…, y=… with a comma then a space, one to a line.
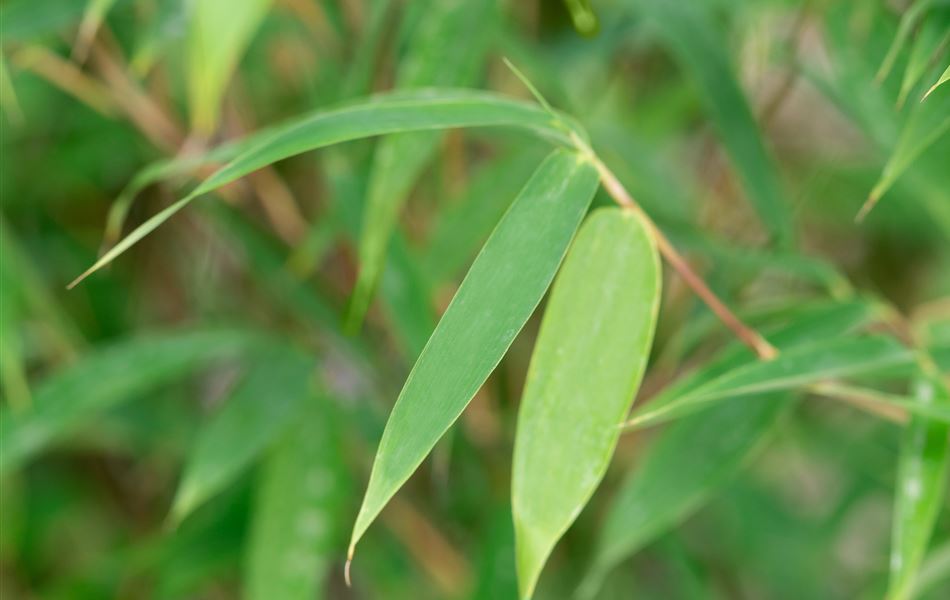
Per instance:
x=921, y=485
x=502, y=289
x=298, y=510
x=120, y=373
x=909, y=20
x=434, y=58
x=796, y=368
x=96, y=11
x=218, y=33
x=389, y=113
x=588, y=360
x=257, y=411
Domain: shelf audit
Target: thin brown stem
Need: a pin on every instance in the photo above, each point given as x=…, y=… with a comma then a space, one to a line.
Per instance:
x=621, y=196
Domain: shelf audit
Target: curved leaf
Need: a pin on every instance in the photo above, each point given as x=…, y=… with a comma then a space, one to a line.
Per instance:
x=388, y=113
x=497, y=297
x=586, y=367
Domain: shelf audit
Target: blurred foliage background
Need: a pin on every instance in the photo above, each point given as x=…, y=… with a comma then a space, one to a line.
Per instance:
x=195, y=422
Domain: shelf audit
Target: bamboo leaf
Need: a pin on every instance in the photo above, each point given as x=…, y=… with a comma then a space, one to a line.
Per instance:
x=921, y=485
x=804, y=365
x=120, y=373
x=928, y=122
x=930, y=40
x=678, y=472
x=944, y=78
x=257, y=412
x=389, y=113
x=500, y=292
x=586, y=367
x=218, y=33
x=693, y=40
x=300, y=503
x=435, y=58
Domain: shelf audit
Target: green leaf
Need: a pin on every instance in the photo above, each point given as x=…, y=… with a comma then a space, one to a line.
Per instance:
x=930, y=40
x=497, y=297
x=92, y=18
x=105, y=378
x=693, y=39
x=300, y=505
x=677, y=473
x=944, y=78
x=914, y=13
x=796, y=368
x=388, y=113
x=218, y=33
x=928, y=122
x=434, y=58
x=257, y=412
x=586, y=368
x=921, y=485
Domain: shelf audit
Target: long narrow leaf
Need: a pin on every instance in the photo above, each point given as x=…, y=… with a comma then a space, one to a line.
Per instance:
x=434, y=58
x=586, y=367
x=921, y=485
x=390, y=113
x=796, y=368
x=120, y=373
x=299, y=508
x=497, y=297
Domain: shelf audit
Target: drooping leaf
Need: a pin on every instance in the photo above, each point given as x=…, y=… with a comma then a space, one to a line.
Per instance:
x=299, y=508
x=588, y=360
x=497, y=297
x=218, y=33
x=678, y=472
x=796, y=368
x=255, y=414
x=120, y=373
x=921, y=484
x=434, y=58
x=692, y=38
x=389, y=113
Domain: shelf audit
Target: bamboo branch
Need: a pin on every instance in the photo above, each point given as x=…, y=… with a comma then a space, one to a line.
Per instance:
x=748, y=336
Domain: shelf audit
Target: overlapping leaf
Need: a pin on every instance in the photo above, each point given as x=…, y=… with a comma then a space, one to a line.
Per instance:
x=500, y=292
x=586, y=367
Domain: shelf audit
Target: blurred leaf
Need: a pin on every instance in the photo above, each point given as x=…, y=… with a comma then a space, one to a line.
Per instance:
x=921, y=485
x=930, y=40
x=434, y=58
x=95, y=13
x=122, y=372
x=908, y=23
x=168, y=25
x=497, y=297
x=26, y=20
x=944, y=78
x=257, y=411
x=678, y=472
x=390, y=113
x=8, y=99
x=585, y=370
x=692, y=38
x=218, y=33
x=299, y=509
x=796, y=368
x=460, y=228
